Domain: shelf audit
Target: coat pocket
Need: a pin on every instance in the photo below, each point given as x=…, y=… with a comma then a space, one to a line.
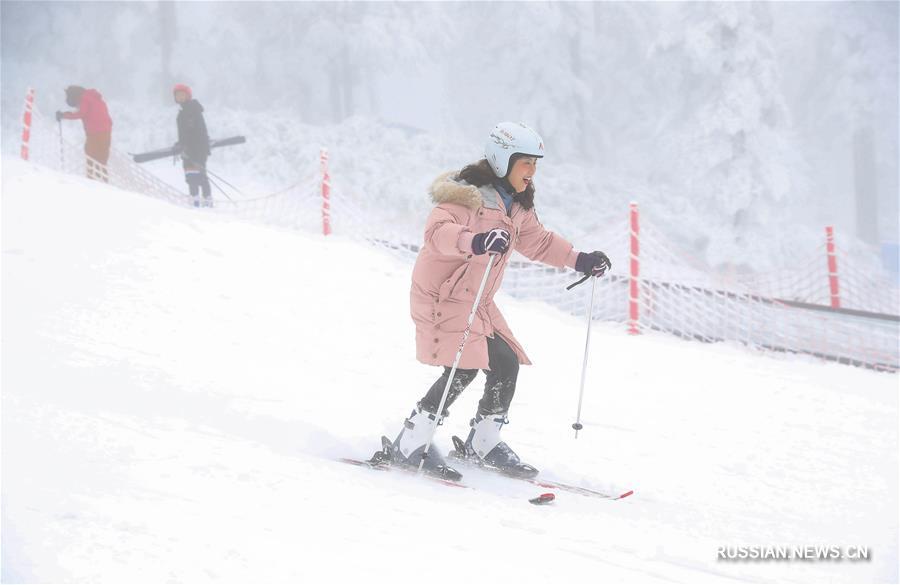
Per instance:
x=451, y=286
x=453, y=316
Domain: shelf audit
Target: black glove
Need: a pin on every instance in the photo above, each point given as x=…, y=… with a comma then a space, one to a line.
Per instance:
x=495, y=241
x=593, y=264
x=59, y=116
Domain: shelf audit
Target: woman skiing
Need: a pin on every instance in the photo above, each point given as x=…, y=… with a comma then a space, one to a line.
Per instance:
x=485, y=209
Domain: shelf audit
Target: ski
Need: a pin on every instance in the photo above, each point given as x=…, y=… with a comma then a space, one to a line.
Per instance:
x=564, y=487
x=459, y=455
x=391, y=468
x=382, y=461
x=174, y=150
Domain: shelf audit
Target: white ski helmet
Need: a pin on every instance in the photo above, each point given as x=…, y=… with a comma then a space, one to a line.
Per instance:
x=507, y=139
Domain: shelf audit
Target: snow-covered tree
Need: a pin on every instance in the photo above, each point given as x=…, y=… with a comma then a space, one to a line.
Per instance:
x=727, y=140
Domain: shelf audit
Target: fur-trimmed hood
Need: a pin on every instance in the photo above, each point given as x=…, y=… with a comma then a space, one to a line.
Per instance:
x=449, y=188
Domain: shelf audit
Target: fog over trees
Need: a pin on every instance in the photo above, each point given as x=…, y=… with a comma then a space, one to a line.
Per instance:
x=745, y=114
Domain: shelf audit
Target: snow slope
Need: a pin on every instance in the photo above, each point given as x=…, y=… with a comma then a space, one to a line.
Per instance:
x=176, y=386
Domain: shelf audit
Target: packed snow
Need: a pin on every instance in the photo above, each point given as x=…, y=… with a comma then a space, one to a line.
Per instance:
x=178, y=386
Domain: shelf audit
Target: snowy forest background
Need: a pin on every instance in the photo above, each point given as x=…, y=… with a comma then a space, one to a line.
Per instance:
x=746, y=127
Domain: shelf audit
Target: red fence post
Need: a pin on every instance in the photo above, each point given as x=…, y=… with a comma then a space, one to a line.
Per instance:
x=26, y=126
x=634, y=273
x=326, y=193
x=833, y=284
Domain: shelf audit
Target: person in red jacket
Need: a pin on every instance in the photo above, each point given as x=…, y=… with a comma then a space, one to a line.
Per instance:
x=93, y=113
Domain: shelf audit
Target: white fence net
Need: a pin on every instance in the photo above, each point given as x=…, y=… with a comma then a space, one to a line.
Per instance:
x=785, y=311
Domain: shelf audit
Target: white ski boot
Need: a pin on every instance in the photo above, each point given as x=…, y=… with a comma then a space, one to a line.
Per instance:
x=409, y=446
x=485, y=447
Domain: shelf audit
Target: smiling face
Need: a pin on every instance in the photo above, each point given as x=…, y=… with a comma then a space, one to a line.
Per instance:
x=522, y=173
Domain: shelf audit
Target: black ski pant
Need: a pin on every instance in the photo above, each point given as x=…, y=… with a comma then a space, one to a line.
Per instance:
x=196, y=178
x=498, y=390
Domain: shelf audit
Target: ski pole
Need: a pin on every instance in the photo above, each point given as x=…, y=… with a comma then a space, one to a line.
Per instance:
x=459, y=352
x=212, y=174
x=587, y=345
x=217, y=186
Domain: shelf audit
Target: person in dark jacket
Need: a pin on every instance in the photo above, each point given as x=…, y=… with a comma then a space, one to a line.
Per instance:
x=193, y=141
x=93, y=113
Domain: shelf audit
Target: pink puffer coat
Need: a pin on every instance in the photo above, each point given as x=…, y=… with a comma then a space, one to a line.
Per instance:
x=447, y=275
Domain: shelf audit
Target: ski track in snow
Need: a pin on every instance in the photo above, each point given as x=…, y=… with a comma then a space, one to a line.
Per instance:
x=177, y=385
